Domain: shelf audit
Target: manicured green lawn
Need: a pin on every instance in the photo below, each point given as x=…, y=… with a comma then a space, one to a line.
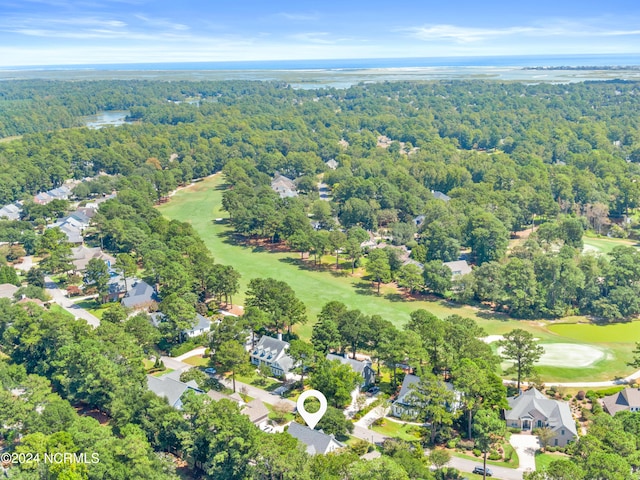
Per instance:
x=55, y=308
x=93, y=307
x=397, y=430
x=255, y=380
x=489, y=462
x=200, y=205
x=591, y=333
x=605, y=244
x=544, y=459
x=197, y=361
x=162, y=373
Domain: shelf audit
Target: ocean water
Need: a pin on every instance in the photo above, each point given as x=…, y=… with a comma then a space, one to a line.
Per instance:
x=342, y=73
x=366, y=63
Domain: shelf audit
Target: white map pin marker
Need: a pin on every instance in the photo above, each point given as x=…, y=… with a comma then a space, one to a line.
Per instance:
x=312, y=419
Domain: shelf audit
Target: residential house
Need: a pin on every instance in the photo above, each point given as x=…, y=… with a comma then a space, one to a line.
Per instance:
x=284, y=186
x=11, y=211
x=627, y=399
x=202, y=326
x=317, y=442
x=140, y=296
x=272, y=352
x=82, y=255
x=73, y=226
x=332, y=164
x=171, y=388
x=459, y=267
x=117, y=287
x=361, y=367
x=60, y=193
x=257, y=412
x=440, y=196
x=404, y=406
x=7, y=290
x=532, y=410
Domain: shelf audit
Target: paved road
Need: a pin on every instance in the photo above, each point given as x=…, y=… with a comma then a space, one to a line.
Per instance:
x=60, y=297
x=502, y=473
x=27, y=263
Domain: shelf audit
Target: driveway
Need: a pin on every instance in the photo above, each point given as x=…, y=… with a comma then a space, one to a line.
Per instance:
x=525, y=446
x=27, y=263
x=60, y=297
x=501, y=473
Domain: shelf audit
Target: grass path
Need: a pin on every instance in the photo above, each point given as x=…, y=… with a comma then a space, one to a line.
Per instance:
x=200, y=204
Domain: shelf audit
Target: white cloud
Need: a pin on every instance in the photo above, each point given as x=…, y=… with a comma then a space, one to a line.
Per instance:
x=299, y=17
x=553, y=28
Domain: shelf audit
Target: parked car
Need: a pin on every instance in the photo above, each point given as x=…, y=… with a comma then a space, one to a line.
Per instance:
x=210, y=371
x=373, y=391
x=480, y=471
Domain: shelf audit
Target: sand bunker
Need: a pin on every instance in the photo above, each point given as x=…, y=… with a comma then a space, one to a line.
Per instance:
x=568, y=355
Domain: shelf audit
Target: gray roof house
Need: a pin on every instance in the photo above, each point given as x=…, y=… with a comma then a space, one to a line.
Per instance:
x=11, y=211
x=72, y=226
x=532, y=410
x=317, y=442
x=403, y=404
x=171, y=389
x=361, y=367
x=440, y=196
x=272, y=352
x=140, y=296
x=284, y=186
x=82, y=254
x=202, y=326
x=627, y=399
x=257, y=412
x=459, y=267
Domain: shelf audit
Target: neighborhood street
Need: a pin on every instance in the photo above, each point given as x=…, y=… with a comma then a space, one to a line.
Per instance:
x=60, y=297
x=360, y=429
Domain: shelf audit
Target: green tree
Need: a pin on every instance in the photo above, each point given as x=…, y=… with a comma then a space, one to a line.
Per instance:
x=336, y=381
x=126, y=265
x=302, y=353
x=278, y=300
x=410, y=277
x=520, y=347
x=382, y=468
x=378, y=267
x=231, y=357
x=97, y=275
x=337, y=241
x=53, y=245
x=335, y=423
x=489, y=429
x=437, y=277
x=433, y=402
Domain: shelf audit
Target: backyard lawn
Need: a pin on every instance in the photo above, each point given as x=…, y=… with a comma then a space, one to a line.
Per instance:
x=197, y=361
x=403, y=431
x=93, y=307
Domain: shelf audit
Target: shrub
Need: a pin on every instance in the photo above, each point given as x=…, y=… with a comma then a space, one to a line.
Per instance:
x=514, y=430
x=466, y=444
x=477, y=452
x=495, y=456
x=580, y=395
x=453, y=443
x=379, y=422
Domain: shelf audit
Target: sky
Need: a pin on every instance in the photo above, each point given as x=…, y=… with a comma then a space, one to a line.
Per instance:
x=65, y=32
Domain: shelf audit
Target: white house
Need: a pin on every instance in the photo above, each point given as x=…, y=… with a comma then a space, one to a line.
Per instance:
x=272, y=352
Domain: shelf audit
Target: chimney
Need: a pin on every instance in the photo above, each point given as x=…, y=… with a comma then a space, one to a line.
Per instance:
x=279, y=336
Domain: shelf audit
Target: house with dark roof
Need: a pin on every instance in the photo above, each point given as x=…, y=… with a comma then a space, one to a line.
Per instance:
x=272, y=352
x=284, y=186
x=317, y=442
x=361, y=367
x=257, y=412
x=172, y=389
x=459, y=267
x=627, y=399
x=532, y=410
x=140, y=296
x=405, y=406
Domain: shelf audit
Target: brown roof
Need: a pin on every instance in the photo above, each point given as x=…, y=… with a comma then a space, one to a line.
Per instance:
x=256, y=411
x=82, y=255
x=217, y=396
x=623, y=400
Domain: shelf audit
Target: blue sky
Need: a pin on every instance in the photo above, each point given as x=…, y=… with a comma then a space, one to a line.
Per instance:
x=50, y=32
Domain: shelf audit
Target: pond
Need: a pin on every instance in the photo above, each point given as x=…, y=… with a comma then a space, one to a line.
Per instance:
x=106, y=118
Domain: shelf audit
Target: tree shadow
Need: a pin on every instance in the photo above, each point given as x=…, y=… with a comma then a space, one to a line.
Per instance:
x=365, y=288
x=396, y=297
